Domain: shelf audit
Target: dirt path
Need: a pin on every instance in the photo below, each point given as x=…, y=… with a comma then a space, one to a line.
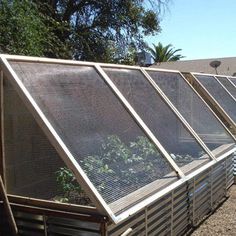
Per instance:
x=223, y=221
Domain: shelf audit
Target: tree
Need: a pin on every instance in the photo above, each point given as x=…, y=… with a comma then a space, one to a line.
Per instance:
x=166, y=53
x=95, y=26
x=95, y=30
x=23, y=30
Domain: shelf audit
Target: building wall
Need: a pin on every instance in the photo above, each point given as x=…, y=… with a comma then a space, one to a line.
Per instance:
x=227, y=67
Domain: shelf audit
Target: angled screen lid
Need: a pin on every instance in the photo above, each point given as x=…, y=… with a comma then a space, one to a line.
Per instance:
x=98, y=139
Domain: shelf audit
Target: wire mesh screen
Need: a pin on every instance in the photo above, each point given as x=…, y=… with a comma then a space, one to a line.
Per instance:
x=159, y=117
x=228, y=85
x=219, y=94
x=31, y=161
x=192, y=108
x=110, y=147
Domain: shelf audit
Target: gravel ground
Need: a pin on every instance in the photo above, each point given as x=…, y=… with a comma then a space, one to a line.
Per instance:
x=223, y=221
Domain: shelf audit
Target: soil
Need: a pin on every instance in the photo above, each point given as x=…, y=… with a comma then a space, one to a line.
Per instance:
x=223, y=221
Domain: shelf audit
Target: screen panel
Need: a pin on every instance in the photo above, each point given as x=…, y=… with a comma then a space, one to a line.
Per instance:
x=160, y=119
x=110, y=147
x=192, y=108
x=229, y=86
x=31, y=161
x=219, y=94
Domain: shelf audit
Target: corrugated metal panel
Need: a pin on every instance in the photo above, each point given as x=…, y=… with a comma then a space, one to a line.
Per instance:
x=234, y=164
x=64, y=226
x=32, y=224
x=29, y=224
x=230, y=170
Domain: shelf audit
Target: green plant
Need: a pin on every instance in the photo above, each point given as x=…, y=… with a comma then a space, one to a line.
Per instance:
x=122, y=163
x=130, y=164
x=183, y=159
x=161, y=53
x=67, y=184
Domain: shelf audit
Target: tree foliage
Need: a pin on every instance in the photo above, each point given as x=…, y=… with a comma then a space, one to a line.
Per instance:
x=23, y=30
x=166, y=53
x=95, y=30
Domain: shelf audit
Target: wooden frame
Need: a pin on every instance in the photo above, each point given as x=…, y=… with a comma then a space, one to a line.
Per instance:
x=101, y=206
x=54, y=205
x=8, y=209
x=2, y=152
x=55, y=139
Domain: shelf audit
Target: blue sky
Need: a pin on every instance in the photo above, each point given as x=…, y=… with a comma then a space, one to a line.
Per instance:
x=201, y=28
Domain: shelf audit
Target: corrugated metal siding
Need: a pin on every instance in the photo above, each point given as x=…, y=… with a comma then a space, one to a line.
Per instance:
x=235, y=164
x=33, y=224
x=39, y=225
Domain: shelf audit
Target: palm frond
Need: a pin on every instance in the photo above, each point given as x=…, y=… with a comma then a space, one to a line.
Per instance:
x=166, y=53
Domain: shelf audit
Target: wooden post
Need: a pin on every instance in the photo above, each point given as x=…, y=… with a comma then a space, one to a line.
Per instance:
x=8, y=210
x=2, y=159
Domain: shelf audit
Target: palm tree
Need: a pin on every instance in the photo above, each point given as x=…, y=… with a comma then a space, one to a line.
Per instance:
x=162, y=53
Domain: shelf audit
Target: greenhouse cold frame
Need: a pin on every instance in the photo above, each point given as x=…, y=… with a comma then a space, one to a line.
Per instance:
x=219, y=95
x=101, y=149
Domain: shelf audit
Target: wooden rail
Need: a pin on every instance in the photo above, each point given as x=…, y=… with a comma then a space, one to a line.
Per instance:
x=8, y=210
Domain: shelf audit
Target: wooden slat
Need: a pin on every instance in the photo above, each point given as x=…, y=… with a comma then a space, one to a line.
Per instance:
x=54, y=205
x=7, y=207
x=57, y=213
x=2, y=152
x=141, y=193
x=223, y=149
